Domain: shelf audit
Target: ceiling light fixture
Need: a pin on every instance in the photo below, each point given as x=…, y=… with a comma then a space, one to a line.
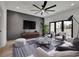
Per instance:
x=42, y=11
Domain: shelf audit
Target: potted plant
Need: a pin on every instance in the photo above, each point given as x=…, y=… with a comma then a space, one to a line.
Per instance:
x=46, y=29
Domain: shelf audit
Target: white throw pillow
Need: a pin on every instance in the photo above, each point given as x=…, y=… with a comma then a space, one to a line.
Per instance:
x=66, y=44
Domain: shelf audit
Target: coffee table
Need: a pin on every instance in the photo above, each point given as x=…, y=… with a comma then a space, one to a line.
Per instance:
x=43, y=44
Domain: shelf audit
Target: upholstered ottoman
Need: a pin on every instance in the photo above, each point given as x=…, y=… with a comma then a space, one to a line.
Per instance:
x=20, y=42
x=21, y=48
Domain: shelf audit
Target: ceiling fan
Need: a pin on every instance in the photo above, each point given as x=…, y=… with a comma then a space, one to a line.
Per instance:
x=43, y=9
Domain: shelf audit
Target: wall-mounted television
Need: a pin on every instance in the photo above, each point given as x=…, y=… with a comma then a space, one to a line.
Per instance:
x=29, y=24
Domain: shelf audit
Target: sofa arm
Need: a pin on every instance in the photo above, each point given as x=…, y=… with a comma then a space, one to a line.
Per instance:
x=41, y=53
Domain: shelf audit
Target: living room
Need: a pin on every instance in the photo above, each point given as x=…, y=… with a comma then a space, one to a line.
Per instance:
x=21, y=23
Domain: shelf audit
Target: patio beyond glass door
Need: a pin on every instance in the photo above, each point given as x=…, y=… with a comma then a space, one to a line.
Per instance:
x=52, y=29
x=58, y=27
x=68, y=28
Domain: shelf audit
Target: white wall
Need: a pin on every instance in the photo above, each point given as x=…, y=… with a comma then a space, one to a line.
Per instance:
x=15, y=24
x=2, y=25
x=63, y=16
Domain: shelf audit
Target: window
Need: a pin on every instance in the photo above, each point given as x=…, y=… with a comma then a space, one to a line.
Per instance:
x=59, y=26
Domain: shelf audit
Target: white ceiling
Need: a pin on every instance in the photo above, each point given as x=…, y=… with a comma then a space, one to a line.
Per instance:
x=26, y=6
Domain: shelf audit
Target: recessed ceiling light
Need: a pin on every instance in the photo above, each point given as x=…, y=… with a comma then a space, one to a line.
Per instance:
x=18, y=7
x=72, y=4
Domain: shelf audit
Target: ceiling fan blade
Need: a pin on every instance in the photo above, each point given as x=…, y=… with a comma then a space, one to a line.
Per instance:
x=37, y=12
x=43, y=6
x=36, y=6
x=50, y=7
x=46, y=12
x=51, y=10
x=34, y=10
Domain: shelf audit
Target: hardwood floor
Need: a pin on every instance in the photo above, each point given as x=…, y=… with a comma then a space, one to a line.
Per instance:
x=7, y=50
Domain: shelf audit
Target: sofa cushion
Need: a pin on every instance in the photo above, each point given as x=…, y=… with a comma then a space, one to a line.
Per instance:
x=65, y=53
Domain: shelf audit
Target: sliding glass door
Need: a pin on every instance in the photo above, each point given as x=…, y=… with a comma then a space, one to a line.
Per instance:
x=62, y=26
x=58, y=27
x=52, y=29
x=68, y=28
